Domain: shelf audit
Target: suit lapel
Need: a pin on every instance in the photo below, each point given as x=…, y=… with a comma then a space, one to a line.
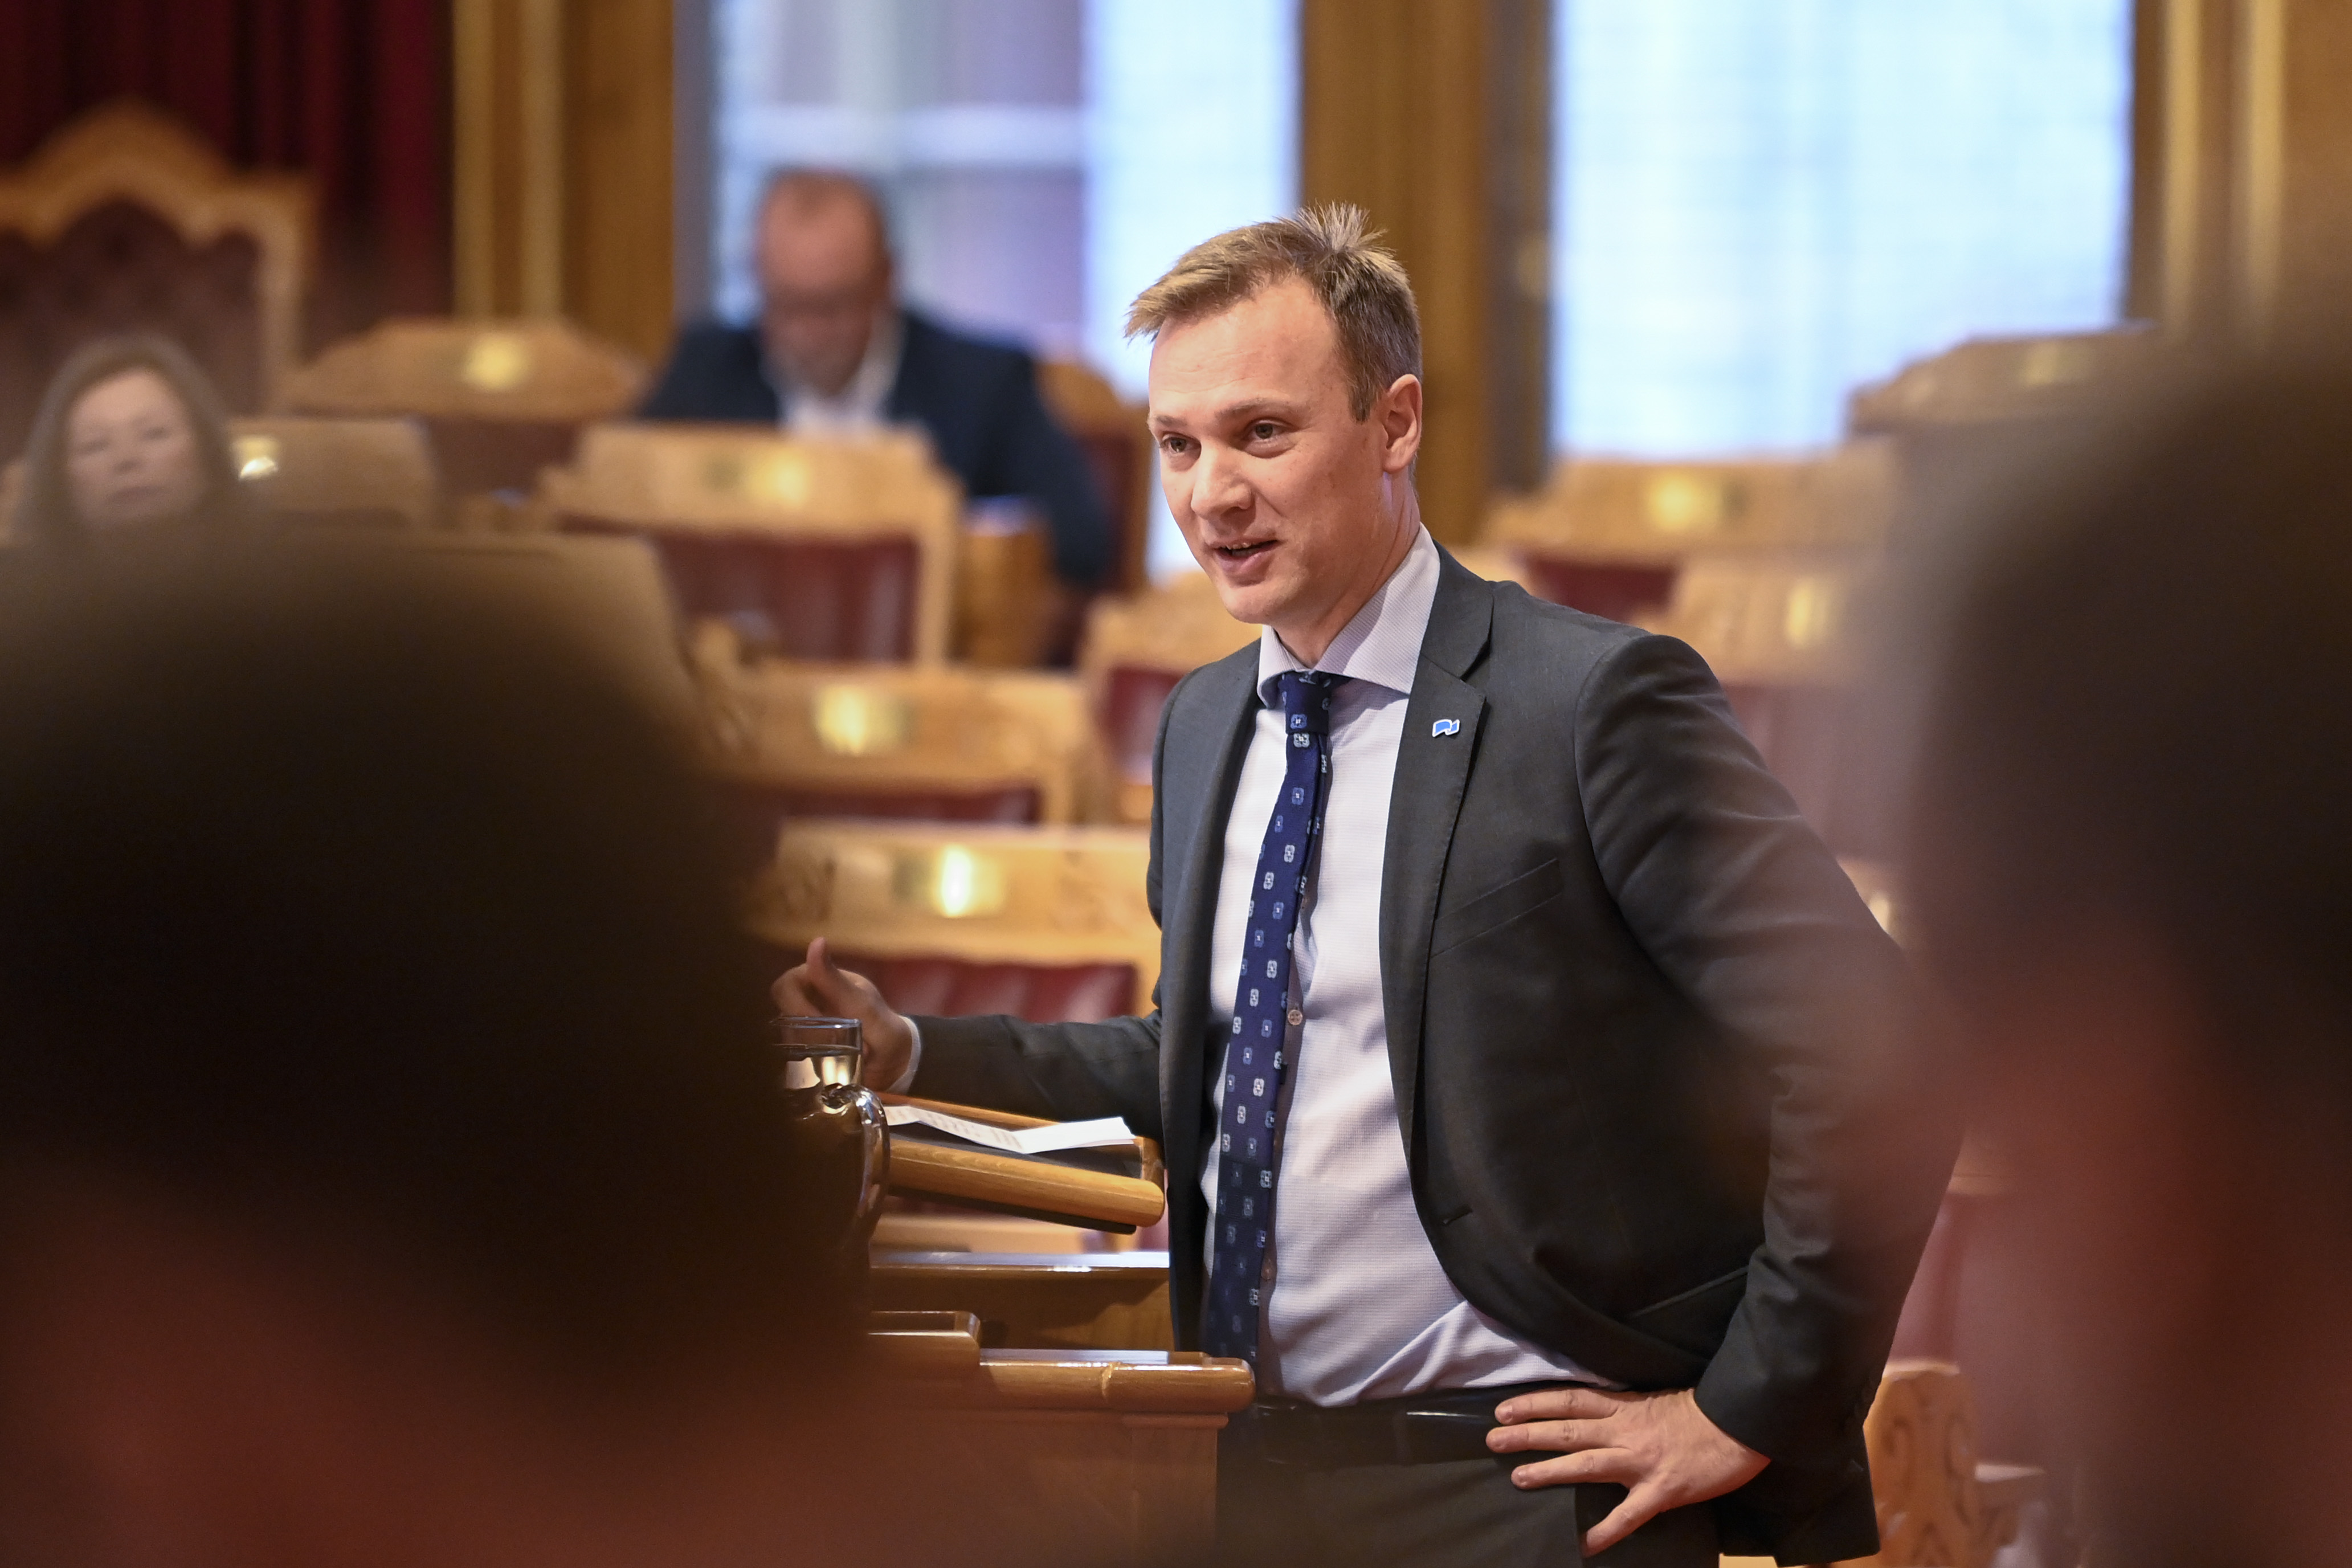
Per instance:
x=1216, y=723
x=908, y=382
x=1441, y=721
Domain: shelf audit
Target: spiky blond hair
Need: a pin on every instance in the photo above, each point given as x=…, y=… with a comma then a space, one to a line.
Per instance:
x=1359, y=281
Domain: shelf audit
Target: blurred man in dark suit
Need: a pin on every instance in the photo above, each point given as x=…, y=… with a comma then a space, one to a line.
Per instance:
x=835, y=351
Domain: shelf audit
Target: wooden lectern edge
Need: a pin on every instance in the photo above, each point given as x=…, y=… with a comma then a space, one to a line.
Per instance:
x=979, y=1113
x=1126, y=1382
x=983, y=1177
x=1025, y=1265
x=1149, y=1147
x=1154, y=1171
x=924, y=1345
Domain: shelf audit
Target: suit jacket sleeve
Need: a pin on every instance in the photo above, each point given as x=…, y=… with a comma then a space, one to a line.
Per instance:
x=1064, y=1071
x=714, y=373
x=1749, y=916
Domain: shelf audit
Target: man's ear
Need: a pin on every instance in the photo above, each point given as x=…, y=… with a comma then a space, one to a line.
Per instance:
x=1399, y=414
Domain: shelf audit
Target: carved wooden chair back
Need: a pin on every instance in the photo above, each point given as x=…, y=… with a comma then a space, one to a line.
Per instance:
x=1119, y=447
x=1783, y=632
x=365, y=473
x=1136, y=650
x=1610, y=535
x=943, y=743
x=125, y=220
x=500, y=399
x=813, y=550
x=1939, y=1506
x=1991, y=380
x=1048, y=923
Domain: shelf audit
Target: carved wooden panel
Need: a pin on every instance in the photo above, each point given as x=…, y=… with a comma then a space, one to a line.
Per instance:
x=125, y=220
x=1136, y=648
x=847, y=730
x=1603, y=508
x=1938, y=1505
x=987, y=894
x=501, y=398
x=743, y=483
x=343, y=471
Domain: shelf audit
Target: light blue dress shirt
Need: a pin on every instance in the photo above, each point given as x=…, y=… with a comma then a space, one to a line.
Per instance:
x=1360, y=1308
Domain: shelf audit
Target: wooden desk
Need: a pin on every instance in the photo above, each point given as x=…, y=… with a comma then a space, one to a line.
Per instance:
x=1104, y=1456
x=1053, y=1301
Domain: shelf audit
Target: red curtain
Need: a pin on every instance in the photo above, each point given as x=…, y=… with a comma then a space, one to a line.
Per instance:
x=353, y=93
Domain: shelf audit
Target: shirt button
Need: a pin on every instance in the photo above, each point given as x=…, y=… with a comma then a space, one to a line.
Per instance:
x=1296, y=1017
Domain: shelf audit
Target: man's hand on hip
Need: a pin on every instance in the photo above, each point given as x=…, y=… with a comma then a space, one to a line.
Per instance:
x=1660, y=1447
x=819, y=989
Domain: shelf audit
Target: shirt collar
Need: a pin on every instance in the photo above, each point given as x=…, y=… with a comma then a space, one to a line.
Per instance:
x=1382, y=643
x=867, y=398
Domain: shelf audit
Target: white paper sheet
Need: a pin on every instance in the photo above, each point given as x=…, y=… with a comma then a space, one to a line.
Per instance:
x=1103, y=1131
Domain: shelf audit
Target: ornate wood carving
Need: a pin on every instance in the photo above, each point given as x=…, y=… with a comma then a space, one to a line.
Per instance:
x=128, y=151
x=979, y=893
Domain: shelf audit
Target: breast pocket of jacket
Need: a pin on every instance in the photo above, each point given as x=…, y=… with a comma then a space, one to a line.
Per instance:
x=1496, y=907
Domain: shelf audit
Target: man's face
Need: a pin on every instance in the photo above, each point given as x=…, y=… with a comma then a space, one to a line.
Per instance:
x=1290, y=503
x=824, y=276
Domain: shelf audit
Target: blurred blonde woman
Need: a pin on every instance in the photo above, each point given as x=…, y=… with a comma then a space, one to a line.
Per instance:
x=131, y=443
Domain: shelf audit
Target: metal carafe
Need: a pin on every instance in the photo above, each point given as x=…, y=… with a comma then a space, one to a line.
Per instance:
x=840, y=1124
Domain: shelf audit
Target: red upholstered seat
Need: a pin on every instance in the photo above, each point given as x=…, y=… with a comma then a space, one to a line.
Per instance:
x=1132, y=698
x=1973, y=1302
x=1118, y=470
x=477, y=455
x=1812, y=740
x=1617, y=590
x=122, y=268
x=756, y=812
x=1118, y=449
x=820, y=599
x=1041, y=993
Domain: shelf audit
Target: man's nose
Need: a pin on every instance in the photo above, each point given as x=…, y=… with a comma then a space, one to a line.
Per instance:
x=1217, y=484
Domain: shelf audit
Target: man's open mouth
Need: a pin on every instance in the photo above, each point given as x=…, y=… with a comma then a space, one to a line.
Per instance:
x=1243, y=551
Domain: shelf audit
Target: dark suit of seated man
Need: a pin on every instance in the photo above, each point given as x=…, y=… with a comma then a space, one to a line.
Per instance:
x=1546, y=1119
x=835, y=351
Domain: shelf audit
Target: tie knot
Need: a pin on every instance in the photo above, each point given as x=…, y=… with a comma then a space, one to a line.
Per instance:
x=1305, y=701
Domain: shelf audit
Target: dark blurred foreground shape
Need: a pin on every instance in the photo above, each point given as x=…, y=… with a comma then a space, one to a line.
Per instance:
x=2128, y=865
x=391, y=1164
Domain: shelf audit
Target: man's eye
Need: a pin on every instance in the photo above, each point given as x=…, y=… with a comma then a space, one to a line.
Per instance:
x=1265, y=430
x=1172, y=445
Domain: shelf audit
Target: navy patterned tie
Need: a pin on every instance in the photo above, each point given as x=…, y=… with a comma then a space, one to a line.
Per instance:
x=1265, y=1024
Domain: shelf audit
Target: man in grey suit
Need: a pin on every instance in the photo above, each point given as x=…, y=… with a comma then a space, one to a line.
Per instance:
x=1551, y=1124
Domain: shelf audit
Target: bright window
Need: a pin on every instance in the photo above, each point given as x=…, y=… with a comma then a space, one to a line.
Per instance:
x=1761, y=202
x=1043, y=160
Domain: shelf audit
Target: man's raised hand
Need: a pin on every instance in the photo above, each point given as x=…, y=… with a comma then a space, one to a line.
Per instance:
x=818, y=988
x=1660, y=1447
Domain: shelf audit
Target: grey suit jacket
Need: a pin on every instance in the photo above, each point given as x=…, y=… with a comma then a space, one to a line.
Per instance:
x=1667, y=1092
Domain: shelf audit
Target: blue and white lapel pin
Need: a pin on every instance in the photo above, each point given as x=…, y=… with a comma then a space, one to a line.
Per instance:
x=1445, y=727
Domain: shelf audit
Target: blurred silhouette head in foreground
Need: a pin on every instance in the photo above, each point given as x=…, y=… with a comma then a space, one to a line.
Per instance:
x=390, y=1154
x=2132, y=870
x=130, y=440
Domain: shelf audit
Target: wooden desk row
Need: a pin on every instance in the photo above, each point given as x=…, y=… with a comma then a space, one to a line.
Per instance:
x=1088, y=1455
